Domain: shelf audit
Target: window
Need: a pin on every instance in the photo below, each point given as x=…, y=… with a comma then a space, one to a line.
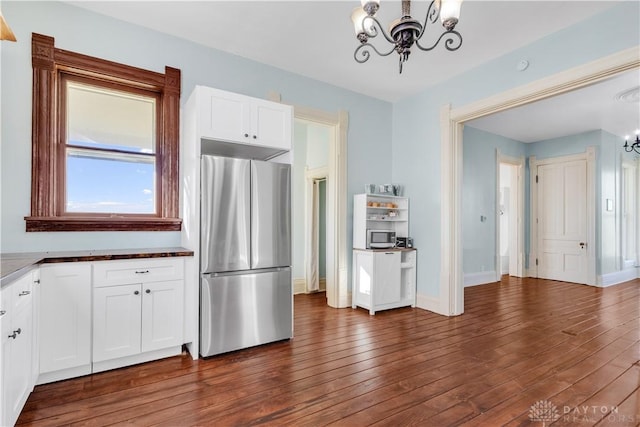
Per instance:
x=105, y=144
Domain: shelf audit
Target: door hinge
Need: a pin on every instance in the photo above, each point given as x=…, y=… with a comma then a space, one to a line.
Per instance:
x=536, y=179
x=536, y=261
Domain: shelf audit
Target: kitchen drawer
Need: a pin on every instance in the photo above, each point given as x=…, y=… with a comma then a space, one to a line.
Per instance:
x=109, y=273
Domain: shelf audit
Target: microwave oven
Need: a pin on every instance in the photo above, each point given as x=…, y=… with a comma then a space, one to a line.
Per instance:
x=381, y=239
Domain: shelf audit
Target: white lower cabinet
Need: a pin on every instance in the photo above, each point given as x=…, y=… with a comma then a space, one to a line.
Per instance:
x=138, y=318
x=16, y=359
x=65, y=321
x=138, y=313
x=383, y=279
x=103, y=315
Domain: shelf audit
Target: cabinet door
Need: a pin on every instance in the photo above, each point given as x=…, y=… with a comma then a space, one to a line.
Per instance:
x=162, y=314
x=18, y=363
x=65, y=316
x=386, y=277
x=225, y=116
x=116, y=321
x=271, y=124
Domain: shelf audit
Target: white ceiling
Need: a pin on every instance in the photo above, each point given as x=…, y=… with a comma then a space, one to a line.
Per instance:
x=590, y=108
x=316, y=38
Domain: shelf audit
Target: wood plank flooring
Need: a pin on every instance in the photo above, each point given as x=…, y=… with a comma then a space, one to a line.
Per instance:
x=572, y=349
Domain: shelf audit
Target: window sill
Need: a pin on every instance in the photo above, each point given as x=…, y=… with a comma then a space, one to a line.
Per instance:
x=102, y=224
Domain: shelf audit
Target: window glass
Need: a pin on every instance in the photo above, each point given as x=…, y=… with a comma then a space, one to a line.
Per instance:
x=110, y=151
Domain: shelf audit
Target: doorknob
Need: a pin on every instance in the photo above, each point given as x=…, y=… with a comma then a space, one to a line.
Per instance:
x=582, y=245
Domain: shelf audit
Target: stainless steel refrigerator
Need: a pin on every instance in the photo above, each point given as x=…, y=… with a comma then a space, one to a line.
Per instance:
x=245, y=286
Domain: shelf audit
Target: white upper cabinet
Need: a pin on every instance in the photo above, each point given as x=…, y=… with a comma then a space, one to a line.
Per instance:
x=230, y=117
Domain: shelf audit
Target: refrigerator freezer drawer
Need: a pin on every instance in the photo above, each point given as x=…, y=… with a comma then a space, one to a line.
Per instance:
x=243, y=310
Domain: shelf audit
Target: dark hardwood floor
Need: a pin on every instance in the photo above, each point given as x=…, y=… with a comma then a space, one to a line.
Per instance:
x=521, y=346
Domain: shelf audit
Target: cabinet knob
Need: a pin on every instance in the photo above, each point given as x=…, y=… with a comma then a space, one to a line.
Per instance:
x=148, y=291
x=37, y=281
x=255, y=137
x=13, y=335
x=3, y=312
x=23, y=293
x=136, y=292
x=246, y=135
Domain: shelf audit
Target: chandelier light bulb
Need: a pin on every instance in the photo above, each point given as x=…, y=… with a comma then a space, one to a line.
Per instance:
x=450, y=13
x=370, y=6
x=357, y=17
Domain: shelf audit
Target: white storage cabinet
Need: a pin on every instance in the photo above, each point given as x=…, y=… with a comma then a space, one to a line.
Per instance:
x=384, y=279
x=379, y=212
x=231, y=117
x=65, y=321
x=138, y=311
x=19, y=342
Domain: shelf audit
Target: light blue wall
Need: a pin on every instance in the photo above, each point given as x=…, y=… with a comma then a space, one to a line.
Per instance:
x=416, y=127
x=479, y=195
x=369, y=137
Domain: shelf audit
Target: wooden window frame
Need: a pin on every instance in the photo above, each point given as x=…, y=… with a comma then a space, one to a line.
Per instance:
x=50, y=65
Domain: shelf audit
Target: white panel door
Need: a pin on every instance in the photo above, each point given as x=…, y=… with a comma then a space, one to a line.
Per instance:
x=562, y=221
x=116, y=321
x=162, y=314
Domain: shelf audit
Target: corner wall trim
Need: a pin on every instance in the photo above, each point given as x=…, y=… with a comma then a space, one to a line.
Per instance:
x=299, y=285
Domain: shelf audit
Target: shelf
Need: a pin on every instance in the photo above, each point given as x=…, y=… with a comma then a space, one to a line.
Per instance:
x=386, y=208
x=387, y=220
x=406, y=265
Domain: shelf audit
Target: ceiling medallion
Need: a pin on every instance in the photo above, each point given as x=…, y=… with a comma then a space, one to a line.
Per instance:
x=630, y=95
x=406, y=31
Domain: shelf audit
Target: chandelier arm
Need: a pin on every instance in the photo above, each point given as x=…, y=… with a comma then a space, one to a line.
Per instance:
x=365, y=53
x=452, y=42
x=431, y=18
x=374, y=31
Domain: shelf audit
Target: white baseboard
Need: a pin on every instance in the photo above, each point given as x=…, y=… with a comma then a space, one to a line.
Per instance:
x=345, y=300
x=617, y=277
x=429, y=303
x=299, y=285
x=481, y=278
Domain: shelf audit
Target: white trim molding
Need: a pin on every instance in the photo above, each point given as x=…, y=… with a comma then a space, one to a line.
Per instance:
x=617, y=277
x=429, y=303
x=299, y=285
x=451, y=125
x=480, y=278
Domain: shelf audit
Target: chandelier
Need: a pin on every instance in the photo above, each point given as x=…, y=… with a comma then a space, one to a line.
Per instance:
x=406, y=31
x=634, y=146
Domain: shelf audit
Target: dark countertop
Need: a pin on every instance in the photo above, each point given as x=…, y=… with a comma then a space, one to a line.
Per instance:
x=14, y=265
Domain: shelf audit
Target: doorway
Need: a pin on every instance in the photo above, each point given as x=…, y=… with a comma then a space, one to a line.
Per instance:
x=510, y=211
x=451, y=301
x=310, y=175
x=316, y=230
